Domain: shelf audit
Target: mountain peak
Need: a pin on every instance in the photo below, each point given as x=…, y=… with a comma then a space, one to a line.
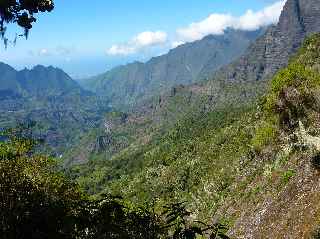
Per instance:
x=45, y=68
x=6, y=66
x=38, y=81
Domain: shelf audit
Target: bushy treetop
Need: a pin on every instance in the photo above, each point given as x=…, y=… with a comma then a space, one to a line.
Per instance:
x=22, y=13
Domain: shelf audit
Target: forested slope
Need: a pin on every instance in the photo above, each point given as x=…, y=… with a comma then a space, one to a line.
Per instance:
x=244, y=166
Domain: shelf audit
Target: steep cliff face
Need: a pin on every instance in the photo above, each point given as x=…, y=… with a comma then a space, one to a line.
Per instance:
x=309, y=10
x=271, y=52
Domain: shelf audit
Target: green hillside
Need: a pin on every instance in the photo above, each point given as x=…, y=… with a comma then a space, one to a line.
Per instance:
x=219, y=138
x=231, y=165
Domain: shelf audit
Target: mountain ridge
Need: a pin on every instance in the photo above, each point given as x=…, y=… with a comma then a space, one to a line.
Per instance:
x=125, y=85
x=38, y=81
x=61, y=108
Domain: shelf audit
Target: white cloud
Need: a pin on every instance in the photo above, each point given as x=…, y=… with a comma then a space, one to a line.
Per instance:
x=150, y=38
x=139, y=42
x=253, y=20
x=177, y=43
x=121, y=50
x=217, y=23
x=58, y=51
x=44, y=52
x=65, y=51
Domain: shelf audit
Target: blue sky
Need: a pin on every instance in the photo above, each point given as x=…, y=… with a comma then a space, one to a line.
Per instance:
x=86, y=39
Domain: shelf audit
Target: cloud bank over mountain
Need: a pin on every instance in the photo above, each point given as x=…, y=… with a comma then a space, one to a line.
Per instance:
x=139, y=42
x=215, y=23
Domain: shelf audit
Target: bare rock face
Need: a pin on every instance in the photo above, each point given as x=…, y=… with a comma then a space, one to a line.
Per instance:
x=310, y=10
x=271, y=52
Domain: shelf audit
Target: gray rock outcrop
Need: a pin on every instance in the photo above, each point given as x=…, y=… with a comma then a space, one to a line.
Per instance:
x=271, y=52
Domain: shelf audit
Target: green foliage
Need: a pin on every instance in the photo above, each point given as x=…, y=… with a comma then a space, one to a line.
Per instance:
x=287, y=175
x=38, y=202
x=195, y=159
x=296, y=76
x=176, y=219
x=217, y=162
x=265, y=133
x=301, y=75
x=309, y=54
x=34, y=200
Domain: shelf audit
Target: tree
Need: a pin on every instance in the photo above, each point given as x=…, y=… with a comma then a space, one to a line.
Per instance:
x=22, y=13
x=35, y=201
x=178, y=226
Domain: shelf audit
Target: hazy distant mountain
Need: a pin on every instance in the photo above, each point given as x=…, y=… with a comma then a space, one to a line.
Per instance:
x=47, y=95
x=39, y=81
x=188, y=63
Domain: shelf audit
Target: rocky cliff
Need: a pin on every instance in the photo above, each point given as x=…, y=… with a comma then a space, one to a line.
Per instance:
x=271, y=52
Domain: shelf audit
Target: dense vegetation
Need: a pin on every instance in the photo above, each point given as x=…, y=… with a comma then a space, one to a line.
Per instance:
x=225, y=161
x=200, y=177
x=199, y=165
x=38, y=202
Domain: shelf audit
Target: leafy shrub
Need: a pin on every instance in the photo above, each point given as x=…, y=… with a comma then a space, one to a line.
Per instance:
x=286, y=176
x=264, y=134
x=296, y=76
x=38, y=202
x=35, y=202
